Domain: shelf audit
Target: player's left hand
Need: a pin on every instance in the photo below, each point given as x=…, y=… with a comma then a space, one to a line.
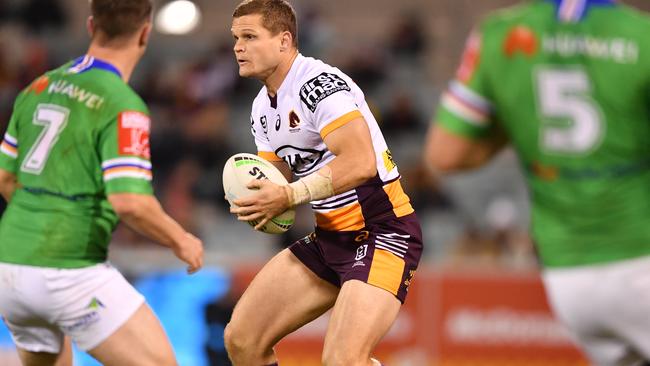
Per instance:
x=269, y=201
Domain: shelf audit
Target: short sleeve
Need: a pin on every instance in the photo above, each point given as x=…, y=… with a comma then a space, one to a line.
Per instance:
x=9, y=147
x=125, y=153
x=465, y=107
x=328, y=98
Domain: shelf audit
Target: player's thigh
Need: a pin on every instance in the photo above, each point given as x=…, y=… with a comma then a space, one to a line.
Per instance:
x=141, y=341
x=283, y=296
x=63, y=358
x=362, y=315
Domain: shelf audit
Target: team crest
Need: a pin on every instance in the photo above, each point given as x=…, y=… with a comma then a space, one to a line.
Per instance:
x=520, y=39
x=294, y=122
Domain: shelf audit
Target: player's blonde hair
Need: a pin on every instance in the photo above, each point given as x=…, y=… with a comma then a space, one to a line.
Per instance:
x=277, y=15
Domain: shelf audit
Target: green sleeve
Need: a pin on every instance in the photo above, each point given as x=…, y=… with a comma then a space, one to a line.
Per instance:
x=124, y=152
x=9, y=147
x=465, y=107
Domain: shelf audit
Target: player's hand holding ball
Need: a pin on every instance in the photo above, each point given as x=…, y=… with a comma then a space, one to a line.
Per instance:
x=257, y=194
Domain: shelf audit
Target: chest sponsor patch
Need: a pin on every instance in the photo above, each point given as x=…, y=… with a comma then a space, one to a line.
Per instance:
x=321, y=87
x=133, y=134
x=299, y=159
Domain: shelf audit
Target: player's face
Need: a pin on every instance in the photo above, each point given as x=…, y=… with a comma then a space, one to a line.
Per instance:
x=256, y=49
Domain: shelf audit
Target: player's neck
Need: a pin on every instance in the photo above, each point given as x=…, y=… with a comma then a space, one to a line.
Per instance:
x=275, y=80
x=124, y=60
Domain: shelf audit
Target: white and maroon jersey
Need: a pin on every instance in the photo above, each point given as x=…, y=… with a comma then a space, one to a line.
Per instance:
x=314, y=100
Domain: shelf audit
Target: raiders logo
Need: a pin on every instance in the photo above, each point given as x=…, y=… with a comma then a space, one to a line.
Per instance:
x=321, y=87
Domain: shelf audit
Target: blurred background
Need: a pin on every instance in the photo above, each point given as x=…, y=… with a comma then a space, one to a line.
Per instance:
x=477, y=298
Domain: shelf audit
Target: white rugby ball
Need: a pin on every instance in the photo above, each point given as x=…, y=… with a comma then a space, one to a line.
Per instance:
x=239, y=170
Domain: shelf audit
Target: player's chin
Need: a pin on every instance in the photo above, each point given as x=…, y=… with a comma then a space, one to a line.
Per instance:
x=246, y=71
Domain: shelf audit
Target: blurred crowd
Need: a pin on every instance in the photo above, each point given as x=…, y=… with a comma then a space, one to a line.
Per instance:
x=200, y=110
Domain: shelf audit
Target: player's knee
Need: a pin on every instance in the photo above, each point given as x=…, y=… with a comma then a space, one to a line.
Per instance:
x=239, y=343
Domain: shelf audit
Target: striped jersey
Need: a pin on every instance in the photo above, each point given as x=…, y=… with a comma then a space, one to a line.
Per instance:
x=569, y=83
x=77, y=134
x=314, y=100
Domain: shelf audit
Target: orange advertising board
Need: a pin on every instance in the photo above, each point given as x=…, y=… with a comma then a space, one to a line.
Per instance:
x=460, y=319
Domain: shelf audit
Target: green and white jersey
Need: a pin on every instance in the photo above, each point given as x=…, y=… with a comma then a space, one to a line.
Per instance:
x=569, y=83
x=77, y=134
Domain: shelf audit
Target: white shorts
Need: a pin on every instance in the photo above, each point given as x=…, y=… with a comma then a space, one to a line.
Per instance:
x=40, y=305
x=607, y=309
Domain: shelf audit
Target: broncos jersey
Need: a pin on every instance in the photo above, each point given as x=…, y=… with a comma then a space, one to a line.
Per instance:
x=314, y=100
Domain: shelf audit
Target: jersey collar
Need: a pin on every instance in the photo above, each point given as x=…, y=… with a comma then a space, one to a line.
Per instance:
x=571, y=11
x=86, y=63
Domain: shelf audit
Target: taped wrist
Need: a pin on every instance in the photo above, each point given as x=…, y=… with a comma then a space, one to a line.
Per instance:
x=315, y=186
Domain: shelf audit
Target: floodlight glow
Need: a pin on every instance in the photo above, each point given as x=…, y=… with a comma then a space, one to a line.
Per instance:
x=178, y=17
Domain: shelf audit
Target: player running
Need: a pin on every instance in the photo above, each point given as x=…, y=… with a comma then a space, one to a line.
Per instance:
x=75, y=157
x=567, y=83
x=311, y=120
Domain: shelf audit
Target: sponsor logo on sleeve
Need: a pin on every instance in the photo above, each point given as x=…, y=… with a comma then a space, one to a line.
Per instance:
x=321, y=87
x=389, y=163
x=133, y=134
x=471, y=58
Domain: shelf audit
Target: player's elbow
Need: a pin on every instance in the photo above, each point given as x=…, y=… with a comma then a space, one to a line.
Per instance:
x=443, y=164
x=367, y=168
x=128, y=205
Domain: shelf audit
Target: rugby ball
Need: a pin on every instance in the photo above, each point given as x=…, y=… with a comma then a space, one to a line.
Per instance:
x=239, y=170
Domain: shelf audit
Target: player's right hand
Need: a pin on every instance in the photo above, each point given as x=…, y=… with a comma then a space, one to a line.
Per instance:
x=190, y=250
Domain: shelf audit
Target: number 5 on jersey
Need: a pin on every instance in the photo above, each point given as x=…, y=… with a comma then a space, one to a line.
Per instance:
x=53, y=118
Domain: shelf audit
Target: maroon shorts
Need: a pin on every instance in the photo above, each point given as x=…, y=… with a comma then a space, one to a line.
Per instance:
x=384, y=254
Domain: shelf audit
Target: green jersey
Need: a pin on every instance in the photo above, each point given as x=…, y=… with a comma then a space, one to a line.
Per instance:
x=77, y=134
x=569, y=83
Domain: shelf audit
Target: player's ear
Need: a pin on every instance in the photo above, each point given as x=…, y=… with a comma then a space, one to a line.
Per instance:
x=90, y=26
x=145, y=33
x=286, y=41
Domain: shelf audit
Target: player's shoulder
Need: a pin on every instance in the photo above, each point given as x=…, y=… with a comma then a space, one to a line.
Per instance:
x=310, y=69
x=635, y=17
x=518, y=13
x=316, y=80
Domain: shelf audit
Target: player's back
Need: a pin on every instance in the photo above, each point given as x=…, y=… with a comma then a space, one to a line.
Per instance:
x=59, y=215
x=569, y=81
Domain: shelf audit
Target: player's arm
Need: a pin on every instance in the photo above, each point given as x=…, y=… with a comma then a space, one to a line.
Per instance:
x=449, y=152
x=144, y=214
x=8, y=183
x=355, y=163
x=284, y=168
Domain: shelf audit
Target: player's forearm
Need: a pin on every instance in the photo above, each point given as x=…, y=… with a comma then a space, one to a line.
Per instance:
x=340, y=175
x=349, y=172
x=145, y=215
x=8, y=184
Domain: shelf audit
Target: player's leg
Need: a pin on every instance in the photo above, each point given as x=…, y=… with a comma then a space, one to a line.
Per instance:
x=63, y=358
x=376, y=266
x=141, y=341
x=284, y=295
x=362, y=315
x=23, y=303
x=106, y=317
x=604, y=327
